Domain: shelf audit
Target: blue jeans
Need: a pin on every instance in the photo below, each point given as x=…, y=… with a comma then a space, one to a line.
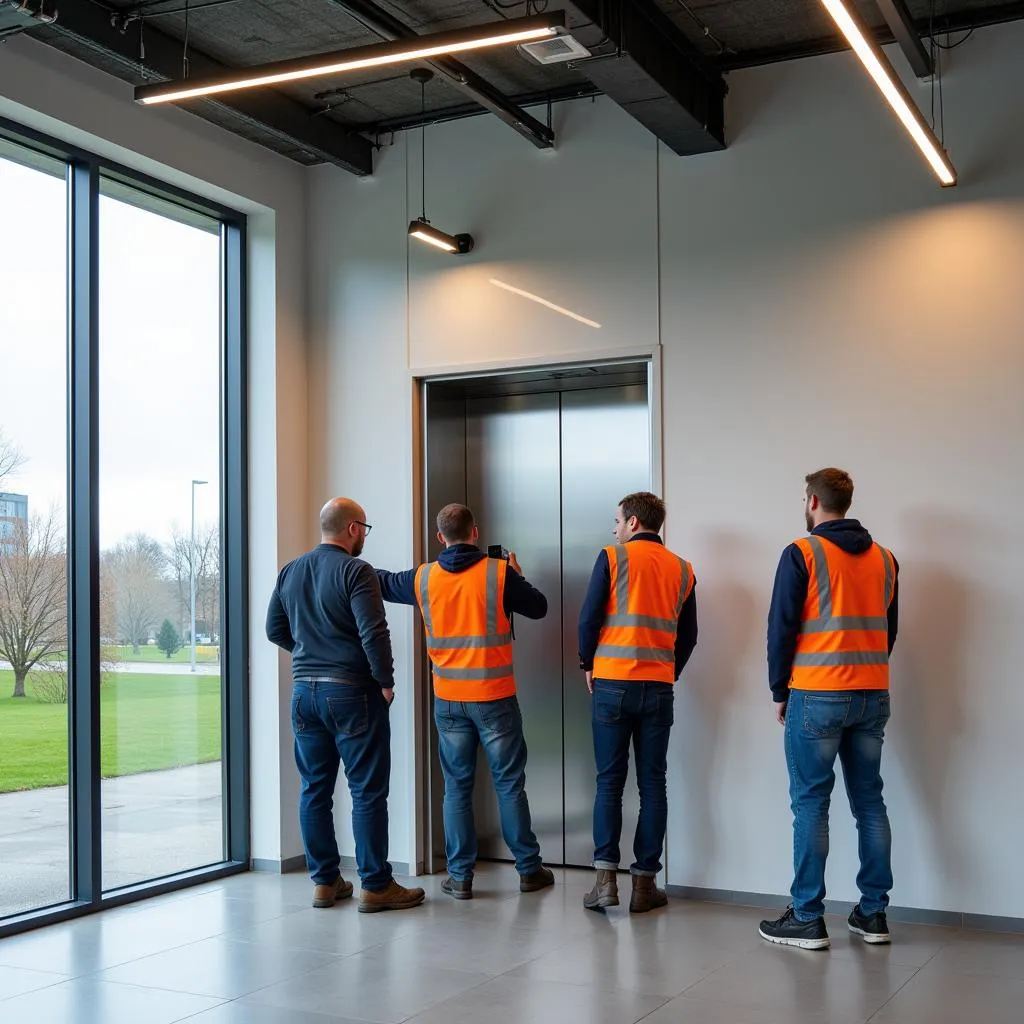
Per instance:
x=339, y=723
x=641, y=713
x=820, y=725
x=497, y=726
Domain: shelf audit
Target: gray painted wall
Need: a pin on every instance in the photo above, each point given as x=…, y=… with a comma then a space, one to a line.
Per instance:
x=817, y=298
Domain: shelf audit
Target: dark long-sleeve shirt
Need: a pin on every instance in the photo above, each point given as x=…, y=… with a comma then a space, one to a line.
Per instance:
x=789, y=595
x=327, y=611
x=595, y=607
x=521, y=597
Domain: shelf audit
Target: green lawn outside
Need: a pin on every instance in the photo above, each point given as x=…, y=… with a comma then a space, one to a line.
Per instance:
x=204, y=654
x=147, y=722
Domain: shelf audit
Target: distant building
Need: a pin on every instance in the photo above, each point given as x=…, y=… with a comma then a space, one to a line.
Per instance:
x=13, y=510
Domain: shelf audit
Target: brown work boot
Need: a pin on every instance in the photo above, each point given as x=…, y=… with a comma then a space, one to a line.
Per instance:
x=605, y=892
x=393, y=897
x=646, y=895
x=539, y=879
x=328, y=895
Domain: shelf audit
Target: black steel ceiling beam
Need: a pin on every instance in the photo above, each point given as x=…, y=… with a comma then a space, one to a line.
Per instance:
x=647, y=65
x=266, y=109
x=387, y=26
x=961, y=21
x=584, y=90
x=901, y=24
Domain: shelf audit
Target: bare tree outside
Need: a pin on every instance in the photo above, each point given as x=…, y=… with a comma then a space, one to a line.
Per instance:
x=134, y=570
x=10, y=458
x=33, y=595
x=206, y=556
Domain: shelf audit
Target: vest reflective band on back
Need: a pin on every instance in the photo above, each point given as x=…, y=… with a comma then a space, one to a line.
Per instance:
x=469, y=636
x=844, y=637
x=649, y=587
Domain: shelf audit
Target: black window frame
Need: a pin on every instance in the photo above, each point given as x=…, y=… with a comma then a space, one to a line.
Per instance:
x=84, y=172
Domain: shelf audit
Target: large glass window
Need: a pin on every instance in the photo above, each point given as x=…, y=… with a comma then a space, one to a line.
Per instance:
x=159, y=488
x=34, y=822
x=123, y=612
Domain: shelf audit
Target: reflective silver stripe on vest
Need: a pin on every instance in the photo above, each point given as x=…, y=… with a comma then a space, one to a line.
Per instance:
x=821, y=573
x=473, y=674
x=491, y=592
x=642, y=622
x=825, y=658
x=623, y=652
x=887, y=560
x=684, y=583
x=425, y=598
x=838, y=622
x=455, y=643
x=621, y=579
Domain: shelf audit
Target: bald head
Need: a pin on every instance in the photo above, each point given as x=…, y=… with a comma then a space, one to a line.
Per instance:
x=337, y=519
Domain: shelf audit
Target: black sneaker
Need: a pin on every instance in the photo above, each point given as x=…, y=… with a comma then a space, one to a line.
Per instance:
x=456, y=889
x=871, y=928
x=788, y=931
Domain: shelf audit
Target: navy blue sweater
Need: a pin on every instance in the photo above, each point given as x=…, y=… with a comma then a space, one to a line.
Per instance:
x=327, y=610
x=520, y=596
x=790, y=594
x=595, y=607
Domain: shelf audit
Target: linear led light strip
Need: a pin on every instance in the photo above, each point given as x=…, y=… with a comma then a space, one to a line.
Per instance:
x=516, y=30
x=879, y=68
x=431, y=240
x=544, y=302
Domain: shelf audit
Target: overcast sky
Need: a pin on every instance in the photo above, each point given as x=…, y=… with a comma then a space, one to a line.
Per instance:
x=159, y=357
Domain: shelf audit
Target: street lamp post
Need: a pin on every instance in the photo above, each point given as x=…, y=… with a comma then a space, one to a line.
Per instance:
x=192, y=576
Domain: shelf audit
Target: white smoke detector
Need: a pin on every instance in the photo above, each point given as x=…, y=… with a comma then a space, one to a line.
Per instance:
x=556, y=50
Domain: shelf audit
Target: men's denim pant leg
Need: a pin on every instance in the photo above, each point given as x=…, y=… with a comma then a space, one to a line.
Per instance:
x=345, y=724
x=496, y=725
x=641, y=712
x=821, y=725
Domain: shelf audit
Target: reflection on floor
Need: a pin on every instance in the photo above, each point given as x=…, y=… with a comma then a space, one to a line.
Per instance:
x=251, y=950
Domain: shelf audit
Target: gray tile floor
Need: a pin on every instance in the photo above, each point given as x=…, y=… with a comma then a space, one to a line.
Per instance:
x=251, y=950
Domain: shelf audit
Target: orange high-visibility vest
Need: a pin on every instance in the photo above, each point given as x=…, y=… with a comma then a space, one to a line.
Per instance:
x=844, y=638
x=469, y=636
x=649, y=586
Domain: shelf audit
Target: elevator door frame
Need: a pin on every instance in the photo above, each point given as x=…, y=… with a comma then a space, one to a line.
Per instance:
x=428, y=784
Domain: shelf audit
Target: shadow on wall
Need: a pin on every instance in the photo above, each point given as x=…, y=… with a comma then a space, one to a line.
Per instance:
x=929, y=678
x=727, y=613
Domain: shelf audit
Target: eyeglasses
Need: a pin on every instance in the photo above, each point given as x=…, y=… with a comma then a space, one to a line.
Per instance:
x=366, y=526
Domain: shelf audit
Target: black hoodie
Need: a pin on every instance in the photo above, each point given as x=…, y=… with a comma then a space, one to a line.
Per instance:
x=790, y=594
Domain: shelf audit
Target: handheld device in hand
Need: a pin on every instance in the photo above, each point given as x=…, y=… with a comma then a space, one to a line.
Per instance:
x=497, y=551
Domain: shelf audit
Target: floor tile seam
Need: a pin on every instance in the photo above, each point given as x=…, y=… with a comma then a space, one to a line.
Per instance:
x=458, y=995
x=35, y=970
x=899, y=989
x=32, y=991
x=660, y=1006
x=212, y=995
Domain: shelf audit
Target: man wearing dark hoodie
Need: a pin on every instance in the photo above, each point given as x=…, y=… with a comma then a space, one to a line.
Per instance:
x=467, y=601
x=831, y=629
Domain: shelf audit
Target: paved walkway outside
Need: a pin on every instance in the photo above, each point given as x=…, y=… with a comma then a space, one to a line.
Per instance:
x=154, y=823
x=150, y=668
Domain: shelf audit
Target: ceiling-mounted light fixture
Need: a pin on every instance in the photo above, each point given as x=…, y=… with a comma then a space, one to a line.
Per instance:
x=458, y=245
x=400, y=51
x=421, y=228
x=889, y=84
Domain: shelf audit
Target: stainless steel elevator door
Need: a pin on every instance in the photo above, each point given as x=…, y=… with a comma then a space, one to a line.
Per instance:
x=513, y=487
x=606, y=454
x=544, y=474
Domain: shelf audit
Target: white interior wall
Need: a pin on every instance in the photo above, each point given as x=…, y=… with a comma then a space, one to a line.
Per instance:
x=55, y=94
x=818, y=299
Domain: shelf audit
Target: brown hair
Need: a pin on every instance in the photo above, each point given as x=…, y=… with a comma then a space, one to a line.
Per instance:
x=648, y=508
x=833, y=488
x=455, y=523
